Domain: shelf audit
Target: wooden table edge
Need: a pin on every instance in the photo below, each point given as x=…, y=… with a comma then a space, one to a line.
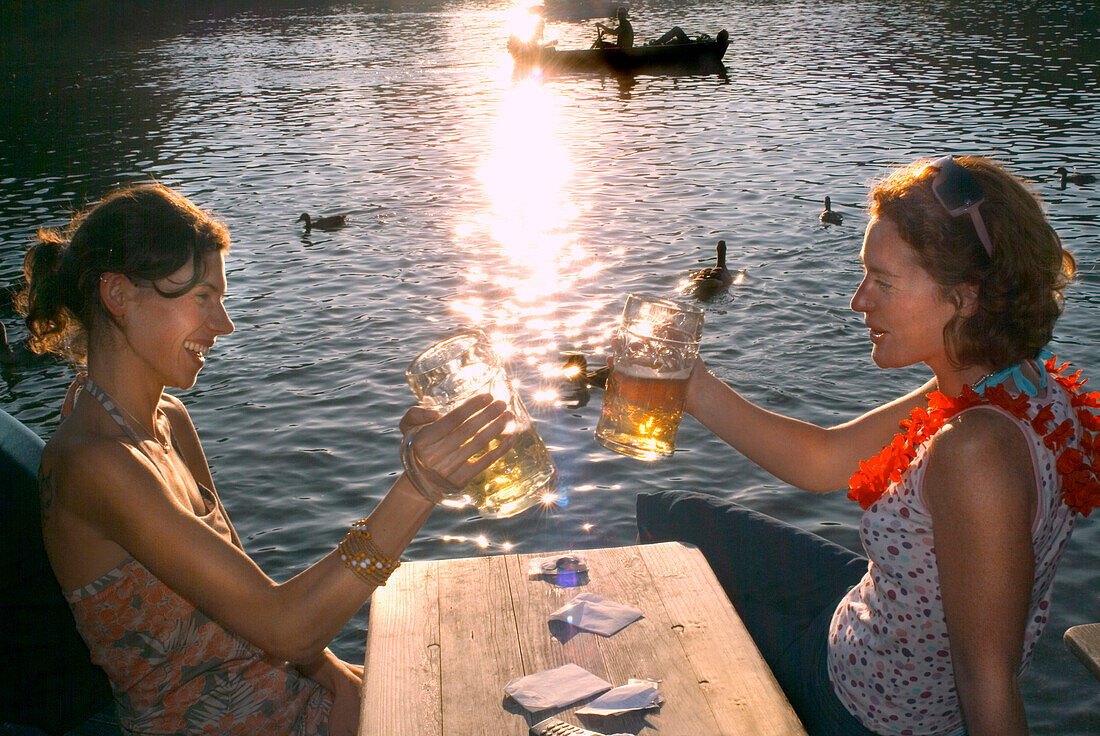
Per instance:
x=1084, y=641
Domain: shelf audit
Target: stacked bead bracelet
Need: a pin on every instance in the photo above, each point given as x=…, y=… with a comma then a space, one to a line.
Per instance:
x=362, y=556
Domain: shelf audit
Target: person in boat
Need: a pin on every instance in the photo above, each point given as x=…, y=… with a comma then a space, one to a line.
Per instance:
x=193, y=636
x=674, y=35
x=534, y=41
x=623, y=33
x=967, y=510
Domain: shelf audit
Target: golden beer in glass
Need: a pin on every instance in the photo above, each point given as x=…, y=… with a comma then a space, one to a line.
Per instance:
x=655, y=350
x=452, y=371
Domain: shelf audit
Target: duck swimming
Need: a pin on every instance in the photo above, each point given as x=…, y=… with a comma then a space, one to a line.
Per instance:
x=14, y=354
x=711, y=281
x=1078, y=179
x=329, y=222
x=830, y=217
x=573, y=387
x=575, y=372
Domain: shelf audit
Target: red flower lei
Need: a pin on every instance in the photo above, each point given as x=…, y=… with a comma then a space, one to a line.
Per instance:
x=1079, y=468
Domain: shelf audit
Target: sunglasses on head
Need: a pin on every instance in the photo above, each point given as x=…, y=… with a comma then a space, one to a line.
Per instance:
x=956, y=189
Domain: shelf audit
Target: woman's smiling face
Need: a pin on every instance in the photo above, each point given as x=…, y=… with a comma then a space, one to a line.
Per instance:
x=173, y=335
x=903, y=306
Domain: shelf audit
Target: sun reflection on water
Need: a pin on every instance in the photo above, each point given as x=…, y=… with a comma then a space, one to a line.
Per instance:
x=527, y=260
x=484, y=543
x=523, y=21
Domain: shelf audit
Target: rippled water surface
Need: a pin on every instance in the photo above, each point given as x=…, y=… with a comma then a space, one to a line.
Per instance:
x=531, y=207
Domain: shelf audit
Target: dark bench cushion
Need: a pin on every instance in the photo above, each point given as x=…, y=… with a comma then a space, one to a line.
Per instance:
x=47, y=679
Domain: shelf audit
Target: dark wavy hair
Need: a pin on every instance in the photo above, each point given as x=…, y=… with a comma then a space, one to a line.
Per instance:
x=144, y=231
x=1021, y=286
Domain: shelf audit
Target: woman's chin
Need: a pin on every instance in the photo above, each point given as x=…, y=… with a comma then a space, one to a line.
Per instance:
x=183, y=383
x=882, y=359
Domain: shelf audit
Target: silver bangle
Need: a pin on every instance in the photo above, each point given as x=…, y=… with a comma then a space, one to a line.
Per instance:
x=421, y=477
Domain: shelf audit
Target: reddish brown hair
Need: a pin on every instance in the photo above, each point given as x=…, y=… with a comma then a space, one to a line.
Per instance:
x=1021, y=286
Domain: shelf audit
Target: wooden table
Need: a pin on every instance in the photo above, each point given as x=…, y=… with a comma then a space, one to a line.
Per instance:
x=446, y=636
x=1084, y=641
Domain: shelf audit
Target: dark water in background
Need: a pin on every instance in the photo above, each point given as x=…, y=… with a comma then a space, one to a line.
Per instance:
x=532, y=208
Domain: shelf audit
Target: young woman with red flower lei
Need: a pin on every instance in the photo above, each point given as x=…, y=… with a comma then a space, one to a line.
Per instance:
x=968, y=507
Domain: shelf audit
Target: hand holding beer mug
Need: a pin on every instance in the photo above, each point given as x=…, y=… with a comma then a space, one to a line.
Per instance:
x=655, y=350
x=447, y=374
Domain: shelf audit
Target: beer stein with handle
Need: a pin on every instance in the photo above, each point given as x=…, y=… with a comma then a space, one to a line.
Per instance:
x=448, y=373
x=655, y=349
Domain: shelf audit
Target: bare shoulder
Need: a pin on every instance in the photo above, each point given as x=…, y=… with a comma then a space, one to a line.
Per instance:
x=174, y=409
x=979, y=456
x=74, y=452
x=980, y=434
x=182, y=426
x=96, y=476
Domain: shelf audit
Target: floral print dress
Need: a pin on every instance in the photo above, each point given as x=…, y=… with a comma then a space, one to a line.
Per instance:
x=174, y=671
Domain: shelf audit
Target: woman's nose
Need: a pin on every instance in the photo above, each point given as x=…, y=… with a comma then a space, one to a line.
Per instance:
x=860, y=301
x=221, y=322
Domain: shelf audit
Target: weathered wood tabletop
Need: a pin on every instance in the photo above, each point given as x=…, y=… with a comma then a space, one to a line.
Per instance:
x=446, y=636
x=1084, y=641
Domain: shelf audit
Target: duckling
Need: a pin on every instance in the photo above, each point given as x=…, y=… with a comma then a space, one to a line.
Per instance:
x=1078, y=179
x=598, y=377
x=712, y=281
x=830, y=217
x=329, y=222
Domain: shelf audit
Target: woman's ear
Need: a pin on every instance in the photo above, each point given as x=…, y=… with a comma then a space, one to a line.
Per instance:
x=966, y=297
x=114, y=292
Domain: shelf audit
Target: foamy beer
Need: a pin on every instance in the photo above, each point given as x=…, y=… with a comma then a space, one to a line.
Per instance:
x=656, y=347
x=448, y=373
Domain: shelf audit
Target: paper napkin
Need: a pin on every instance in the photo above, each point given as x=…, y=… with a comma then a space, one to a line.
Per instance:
x=590, y=612
x=555, y=688
x=635, y=696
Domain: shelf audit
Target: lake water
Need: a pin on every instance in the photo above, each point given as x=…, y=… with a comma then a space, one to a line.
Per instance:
x=531, y=208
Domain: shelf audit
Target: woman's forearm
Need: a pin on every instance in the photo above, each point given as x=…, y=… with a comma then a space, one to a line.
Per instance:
x=794, y=451
x=326, y=670
x=315, y=605
x=995, y=709
x=805, y=455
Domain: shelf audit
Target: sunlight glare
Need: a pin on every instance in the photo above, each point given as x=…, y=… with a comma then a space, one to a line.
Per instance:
x=522, y=21
x=528, y=262
x=545, y=396
x=525, y=179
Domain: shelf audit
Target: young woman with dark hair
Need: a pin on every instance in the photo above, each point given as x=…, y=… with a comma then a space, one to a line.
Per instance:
x=193, y=636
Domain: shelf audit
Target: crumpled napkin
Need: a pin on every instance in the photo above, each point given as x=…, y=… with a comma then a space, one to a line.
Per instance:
x=555, y=688
x=590, y=612
x=638, y=695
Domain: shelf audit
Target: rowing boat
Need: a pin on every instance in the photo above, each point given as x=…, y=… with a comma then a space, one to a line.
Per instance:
x=702, y=54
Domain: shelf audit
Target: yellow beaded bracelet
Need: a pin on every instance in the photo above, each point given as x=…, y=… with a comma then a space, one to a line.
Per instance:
x=363, y=557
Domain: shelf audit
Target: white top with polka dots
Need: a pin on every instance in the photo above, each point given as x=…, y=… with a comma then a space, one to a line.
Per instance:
x=889, y=659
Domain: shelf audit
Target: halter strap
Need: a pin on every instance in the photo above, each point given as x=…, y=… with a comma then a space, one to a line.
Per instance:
x=115, y=412
x=1018, y=377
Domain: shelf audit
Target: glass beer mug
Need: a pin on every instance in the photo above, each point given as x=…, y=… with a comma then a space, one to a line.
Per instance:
x=451, y=371
x=656, y=347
